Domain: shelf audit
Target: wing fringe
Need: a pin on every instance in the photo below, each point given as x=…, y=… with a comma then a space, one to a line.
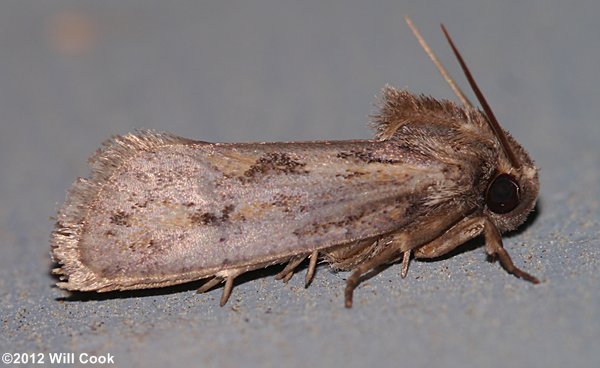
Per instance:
x=107, y=160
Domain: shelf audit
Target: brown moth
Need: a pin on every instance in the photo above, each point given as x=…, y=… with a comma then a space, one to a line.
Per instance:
x=160, y=210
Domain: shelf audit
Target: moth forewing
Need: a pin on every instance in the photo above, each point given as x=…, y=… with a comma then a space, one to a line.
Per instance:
x=171, y=210
x=160, y=210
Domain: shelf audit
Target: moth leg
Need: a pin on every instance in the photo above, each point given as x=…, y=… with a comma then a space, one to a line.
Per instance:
x=468, y=229
x=463, y=231
x=229, y=276
x=310, y=273
x=287, y=273
x=227, y=291
x=405, y=262
x=287, y=277
x=400, y=243
x=209, y=284
x=494, y=248
x=382, y=258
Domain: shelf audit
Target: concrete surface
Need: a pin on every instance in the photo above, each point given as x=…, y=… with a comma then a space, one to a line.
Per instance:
x=72, y=73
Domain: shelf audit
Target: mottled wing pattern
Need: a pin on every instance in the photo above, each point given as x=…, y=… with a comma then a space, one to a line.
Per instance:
x=160, y=209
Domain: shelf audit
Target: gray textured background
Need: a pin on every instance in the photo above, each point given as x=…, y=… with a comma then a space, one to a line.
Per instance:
x=72, y=73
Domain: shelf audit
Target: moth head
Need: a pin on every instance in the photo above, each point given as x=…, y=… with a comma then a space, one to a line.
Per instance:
x=512, y=192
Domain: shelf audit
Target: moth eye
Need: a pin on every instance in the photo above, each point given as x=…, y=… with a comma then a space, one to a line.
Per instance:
x=503, y=195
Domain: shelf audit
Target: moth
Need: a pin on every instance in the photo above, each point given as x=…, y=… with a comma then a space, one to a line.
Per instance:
x=161, y=210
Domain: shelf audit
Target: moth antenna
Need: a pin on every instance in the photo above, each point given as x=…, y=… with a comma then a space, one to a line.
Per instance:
x=457, y=91
x=491, y=119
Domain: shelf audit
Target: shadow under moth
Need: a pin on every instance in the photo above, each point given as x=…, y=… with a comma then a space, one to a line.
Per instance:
x=160, y=210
